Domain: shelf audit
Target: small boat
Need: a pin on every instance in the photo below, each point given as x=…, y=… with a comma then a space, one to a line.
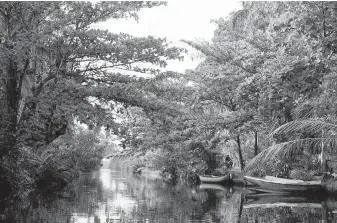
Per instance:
x=139, y=170
x=214, y=179
x=283, y=204
x=275, y=184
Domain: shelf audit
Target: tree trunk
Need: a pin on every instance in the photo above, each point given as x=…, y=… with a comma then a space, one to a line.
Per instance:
x=287, y=110
x=9, y=123
x=256, y=148
x=240, y=152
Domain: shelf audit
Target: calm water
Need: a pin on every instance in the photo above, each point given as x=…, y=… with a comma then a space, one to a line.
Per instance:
x=118, y=196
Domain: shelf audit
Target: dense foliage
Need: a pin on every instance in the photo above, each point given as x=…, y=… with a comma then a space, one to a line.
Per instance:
x=270, y=68
x=66, y=157
x=56, y=69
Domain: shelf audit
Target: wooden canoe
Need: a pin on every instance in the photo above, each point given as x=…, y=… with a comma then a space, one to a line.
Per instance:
x=282, y=204
x=272, y=184
x=214, y=179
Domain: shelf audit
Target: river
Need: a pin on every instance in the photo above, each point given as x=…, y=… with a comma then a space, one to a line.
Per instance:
x=109, y=195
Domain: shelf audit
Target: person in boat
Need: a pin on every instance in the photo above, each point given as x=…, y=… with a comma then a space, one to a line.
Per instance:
x=228, y=162
x=284, y=172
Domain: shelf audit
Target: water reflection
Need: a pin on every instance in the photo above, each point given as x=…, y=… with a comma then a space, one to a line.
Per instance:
x=117, y=196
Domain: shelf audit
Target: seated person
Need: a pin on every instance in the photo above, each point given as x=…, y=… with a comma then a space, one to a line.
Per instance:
x=228, y=162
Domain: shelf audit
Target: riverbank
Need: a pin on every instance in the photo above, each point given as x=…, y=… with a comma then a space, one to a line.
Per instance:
x=237, y=179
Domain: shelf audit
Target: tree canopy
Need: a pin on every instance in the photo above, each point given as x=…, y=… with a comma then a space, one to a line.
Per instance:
x=265, y=67
x=55, y=66
x=270, y=68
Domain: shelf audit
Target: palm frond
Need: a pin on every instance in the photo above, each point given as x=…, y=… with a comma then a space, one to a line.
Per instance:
x=309, y=126
x=304, y=111
x=292, y=148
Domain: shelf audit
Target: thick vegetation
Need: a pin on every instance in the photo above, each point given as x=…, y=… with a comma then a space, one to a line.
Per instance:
x=270, y=68
x=56, y=69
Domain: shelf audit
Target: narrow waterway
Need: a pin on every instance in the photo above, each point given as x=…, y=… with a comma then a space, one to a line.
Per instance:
x=109, y=195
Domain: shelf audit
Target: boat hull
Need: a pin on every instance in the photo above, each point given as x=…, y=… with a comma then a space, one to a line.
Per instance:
x=282, y=204
x=213, y=179
x=272, y=184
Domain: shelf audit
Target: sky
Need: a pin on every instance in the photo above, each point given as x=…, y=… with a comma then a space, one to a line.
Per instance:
x=179, y=19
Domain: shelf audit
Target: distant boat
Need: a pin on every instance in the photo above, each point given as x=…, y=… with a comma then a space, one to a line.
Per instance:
x=139, y=170
x=275, y=184
x=214, y=179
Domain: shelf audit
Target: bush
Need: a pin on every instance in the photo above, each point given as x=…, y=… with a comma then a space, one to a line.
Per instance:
x=66, y=157
x=330, y=186
x=328, y=177
x=301, y=175
x=88, y=152
x=258, y=173
x=219, y=172
x=274, y=167
x=277, y=168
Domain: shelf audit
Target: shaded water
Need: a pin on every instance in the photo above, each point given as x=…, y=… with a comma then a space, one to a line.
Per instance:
x=118, y=196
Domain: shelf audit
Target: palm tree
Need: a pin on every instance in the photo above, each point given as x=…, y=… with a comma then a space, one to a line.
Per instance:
x=311, y=134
